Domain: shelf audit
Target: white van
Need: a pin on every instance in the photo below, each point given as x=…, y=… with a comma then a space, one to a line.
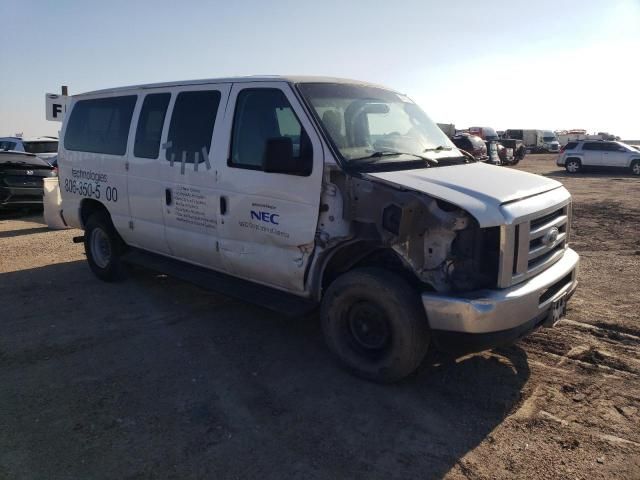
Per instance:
x=297, y=192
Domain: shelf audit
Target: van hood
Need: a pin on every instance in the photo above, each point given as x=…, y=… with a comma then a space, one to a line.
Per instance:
x=478, y=188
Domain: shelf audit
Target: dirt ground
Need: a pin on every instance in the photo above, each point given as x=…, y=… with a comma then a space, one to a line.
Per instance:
x=156, y=378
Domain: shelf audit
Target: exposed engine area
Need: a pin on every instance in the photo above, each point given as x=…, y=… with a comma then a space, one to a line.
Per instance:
x=440, y=243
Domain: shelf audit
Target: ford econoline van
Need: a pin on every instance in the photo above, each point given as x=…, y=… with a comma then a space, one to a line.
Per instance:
x=304, y=192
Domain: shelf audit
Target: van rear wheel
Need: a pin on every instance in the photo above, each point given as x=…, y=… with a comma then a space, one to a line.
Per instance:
x=374, y=322
x=103, y=247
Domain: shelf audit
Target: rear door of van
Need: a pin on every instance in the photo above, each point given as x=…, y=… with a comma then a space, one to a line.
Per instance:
x=187, y=170
x=268, y=220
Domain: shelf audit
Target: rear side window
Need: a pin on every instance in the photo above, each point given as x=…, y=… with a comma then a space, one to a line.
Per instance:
x=611, y=147
x=149, y=129
x=100, y=125
x=5, y=145
x=593, y=146
x=192, y=122
x=262, y=115
x=571, y=146
x=40, y=147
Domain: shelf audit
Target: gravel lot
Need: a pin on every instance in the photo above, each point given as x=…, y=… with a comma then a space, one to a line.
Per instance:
x=156, y=378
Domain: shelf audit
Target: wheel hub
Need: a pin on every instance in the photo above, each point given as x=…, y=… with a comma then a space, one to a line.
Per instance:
x=100, y=247
x=369, y=326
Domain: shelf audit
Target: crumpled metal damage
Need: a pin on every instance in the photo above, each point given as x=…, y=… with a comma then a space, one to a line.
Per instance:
x=420, y=229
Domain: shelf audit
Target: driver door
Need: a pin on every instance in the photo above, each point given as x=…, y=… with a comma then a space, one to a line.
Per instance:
x=268, y=220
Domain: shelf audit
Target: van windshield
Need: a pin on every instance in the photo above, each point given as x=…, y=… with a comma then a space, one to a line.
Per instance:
x=367, y=123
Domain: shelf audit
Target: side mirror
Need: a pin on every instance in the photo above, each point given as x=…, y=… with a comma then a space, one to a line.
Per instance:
x=278, y=157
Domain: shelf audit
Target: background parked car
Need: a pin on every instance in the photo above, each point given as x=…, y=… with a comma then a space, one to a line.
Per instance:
x=43, y=147
x=21, y=179
x=579, y=155
x=471, y=144
x=518, y=148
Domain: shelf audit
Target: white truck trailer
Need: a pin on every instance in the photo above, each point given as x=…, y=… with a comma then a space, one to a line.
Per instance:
x=537, y=141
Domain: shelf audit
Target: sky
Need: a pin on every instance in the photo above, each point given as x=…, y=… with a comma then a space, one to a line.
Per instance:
x=505, y=64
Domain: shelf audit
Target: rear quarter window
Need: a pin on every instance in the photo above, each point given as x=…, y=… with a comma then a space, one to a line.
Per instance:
x=100, y=125
x=40, y=147
x=571, y=146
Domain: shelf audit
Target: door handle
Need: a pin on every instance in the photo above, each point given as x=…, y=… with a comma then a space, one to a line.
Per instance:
x=223, y=205
x=168, y=197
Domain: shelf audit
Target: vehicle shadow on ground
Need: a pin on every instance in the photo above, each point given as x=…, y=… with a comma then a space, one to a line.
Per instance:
x=24, y=231
x=31, y=215
x=153, y=377
x=613, y=174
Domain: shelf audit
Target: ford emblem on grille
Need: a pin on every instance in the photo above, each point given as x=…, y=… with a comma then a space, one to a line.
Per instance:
x=551, y=236
x=29, y=172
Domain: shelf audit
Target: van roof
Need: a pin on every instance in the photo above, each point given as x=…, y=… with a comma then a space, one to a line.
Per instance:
x=251, y=78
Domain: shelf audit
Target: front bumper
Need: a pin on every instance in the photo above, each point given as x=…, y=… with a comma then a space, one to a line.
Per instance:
x=488, y=318
x=21, y=196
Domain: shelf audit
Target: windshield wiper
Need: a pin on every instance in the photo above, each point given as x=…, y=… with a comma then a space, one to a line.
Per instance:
x=390, y=153
x=437, y=149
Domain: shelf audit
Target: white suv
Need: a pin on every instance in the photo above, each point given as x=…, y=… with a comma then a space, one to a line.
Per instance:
x=598, y=153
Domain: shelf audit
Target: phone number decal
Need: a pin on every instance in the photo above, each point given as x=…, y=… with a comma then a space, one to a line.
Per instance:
x=90, y=190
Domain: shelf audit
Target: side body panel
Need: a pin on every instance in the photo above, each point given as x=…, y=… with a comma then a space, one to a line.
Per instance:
x=98, y=176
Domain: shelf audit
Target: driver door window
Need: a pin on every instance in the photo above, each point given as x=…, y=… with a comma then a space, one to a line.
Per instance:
x=264, y=124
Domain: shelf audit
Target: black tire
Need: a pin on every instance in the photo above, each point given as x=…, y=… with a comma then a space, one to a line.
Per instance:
x=573, y=165
x=635, y=167
x=374, y=322
x=100, y=233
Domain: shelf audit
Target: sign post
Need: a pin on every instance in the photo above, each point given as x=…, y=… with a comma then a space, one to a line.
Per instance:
x=56, y=105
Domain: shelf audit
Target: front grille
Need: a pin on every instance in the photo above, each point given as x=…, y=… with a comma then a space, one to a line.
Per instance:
x=533, y=243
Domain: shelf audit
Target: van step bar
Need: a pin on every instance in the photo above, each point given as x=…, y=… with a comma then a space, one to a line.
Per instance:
x=282, y=302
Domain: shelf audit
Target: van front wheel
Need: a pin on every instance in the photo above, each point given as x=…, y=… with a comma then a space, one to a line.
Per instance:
x=374, y=322
x=103, y=247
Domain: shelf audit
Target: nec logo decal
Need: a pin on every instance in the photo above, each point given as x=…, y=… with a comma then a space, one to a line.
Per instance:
x=265, y=217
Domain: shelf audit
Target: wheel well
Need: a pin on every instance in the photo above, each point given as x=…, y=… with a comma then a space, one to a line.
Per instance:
x=362, y=254
x=88, y=207
x=573, y=158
